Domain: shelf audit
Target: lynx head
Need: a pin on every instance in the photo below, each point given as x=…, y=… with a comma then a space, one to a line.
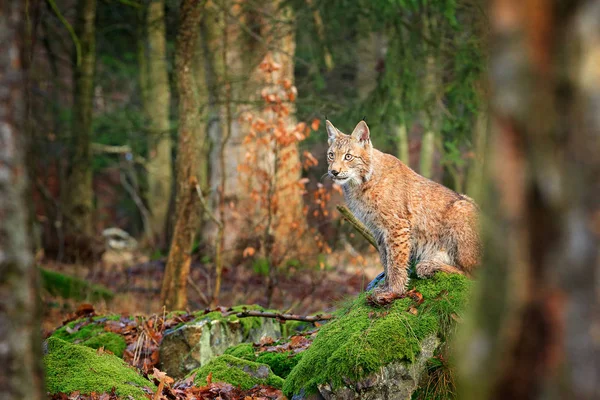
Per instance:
x=349, y=156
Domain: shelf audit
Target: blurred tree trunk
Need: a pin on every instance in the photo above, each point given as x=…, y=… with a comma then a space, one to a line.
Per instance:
x=188, y=206
x=20, y=341
x=157, y=99
x=79, y=188
x=432, y=83
x=534, y=333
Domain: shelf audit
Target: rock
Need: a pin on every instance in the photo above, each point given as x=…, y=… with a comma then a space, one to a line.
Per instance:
x=376, y=281
x=193, y=344
x=371, y=352
x=396, y=381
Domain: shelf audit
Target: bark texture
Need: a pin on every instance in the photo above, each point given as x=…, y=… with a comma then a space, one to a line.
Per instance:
x=80, y=195
x=536, y=318
x=188, y=206
x=20, y=342
x=157, y=98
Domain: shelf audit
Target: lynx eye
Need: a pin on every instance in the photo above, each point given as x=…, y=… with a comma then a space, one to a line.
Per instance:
x=348, y=157
x=330, y=155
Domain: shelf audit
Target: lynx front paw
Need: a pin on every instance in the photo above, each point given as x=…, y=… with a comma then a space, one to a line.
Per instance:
x=383, y=296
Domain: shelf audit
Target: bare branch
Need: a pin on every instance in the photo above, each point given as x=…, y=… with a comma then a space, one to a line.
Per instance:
x=284, y=317
x=363, y=230
x=206, y=209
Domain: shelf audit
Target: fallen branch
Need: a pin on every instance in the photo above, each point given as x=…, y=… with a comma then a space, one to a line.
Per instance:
x=198, y=291
x=363, y=230
x=284, y=317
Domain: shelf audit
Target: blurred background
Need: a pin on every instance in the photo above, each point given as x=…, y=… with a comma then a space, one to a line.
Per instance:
x=199, y=128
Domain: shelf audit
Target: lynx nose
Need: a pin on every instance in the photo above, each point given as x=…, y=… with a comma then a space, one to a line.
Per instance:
x=334, y=172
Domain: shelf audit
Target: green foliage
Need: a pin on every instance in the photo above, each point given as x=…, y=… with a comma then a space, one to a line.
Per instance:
x=71, y=368
x=69, y=287
x=439, y=383
x=90, y=332
x=238, y=372
x=362, y=338
x=261, y=266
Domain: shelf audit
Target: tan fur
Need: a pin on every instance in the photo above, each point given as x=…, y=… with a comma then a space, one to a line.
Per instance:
x=411, y=216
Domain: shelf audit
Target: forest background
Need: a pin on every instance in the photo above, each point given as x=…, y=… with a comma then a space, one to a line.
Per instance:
x=173, y=152
x=218, y=153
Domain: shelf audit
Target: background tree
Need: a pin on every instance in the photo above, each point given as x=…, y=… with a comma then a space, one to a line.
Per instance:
x=188, y=206
x=156, y=98
x=80, y=195
x=20, y=338
x=535, y=318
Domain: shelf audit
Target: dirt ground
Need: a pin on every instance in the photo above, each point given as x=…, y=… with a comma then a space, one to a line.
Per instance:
x=136, y=282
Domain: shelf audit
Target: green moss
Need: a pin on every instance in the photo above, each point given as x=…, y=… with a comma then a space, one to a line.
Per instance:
x=69, y=287
x=90, y=332
x=281, y=363
x=238, y=372
x=110, y=341
x=361, y=338
x=244, y=351
x=71, y=368
x=290, y=328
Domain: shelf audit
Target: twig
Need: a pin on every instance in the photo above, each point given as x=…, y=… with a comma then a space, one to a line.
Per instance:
x=145, y=213
x=124, y=149
x=348, y=216
x=206, y=209
x=198, y=290
x=284, y=317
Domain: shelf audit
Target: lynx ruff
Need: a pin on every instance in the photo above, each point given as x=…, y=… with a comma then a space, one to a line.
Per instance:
x=411, y=217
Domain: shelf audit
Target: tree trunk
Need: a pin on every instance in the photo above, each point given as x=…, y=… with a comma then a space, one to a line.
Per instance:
x=20, y=341
x=188, y=206
x=79, y=189
x=157, y=99
x=431, y=116
x=535, y=323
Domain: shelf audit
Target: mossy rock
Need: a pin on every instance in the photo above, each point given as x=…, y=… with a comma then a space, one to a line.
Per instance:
x=194, y=343
x=70, y=287
x=237, y=372
x=110, y=341
x=362, y=339
x=91, y=333
x=70, y=368
x=281, y=363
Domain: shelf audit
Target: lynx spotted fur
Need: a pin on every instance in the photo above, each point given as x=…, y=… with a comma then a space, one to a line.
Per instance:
x=412, y=217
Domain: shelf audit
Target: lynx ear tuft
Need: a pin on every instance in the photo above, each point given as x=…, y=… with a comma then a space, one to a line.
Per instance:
x=361, y=132
x=332, y=132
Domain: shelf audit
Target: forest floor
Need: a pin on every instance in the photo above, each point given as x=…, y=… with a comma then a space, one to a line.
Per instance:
x=136, y=282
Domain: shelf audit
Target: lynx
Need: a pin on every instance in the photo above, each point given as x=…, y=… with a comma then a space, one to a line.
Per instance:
x=411, y=217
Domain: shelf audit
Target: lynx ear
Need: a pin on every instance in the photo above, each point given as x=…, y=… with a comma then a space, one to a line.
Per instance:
x=332, y=131
x=361, y=132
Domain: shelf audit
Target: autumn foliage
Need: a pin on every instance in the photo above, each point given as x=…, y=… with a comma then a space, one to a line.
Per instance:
x=274, y=212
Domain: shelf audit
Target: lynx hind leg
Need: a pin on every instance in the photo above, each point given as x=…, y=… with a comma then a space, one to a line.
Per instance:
x=427, y=268
x=463, y=226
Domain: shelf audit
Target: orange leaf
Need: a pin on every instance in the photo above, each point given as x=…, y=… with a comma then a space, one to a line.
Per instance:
x=248, y=252
x=315, y=124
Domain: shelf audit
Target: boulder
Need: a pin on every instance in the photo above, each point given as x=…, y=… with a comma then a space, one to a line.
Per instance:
x=372, y=352
x=194, y=343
